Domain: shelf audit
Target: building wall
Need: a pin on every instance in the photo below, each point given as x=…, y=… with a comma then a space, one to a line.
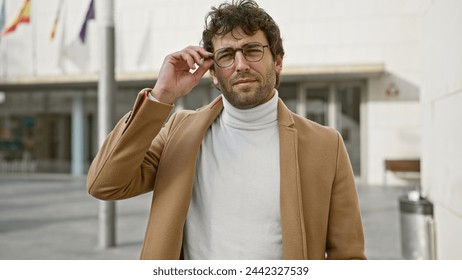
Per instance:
x=316, y=34
x=393, y=128
x=442, y=122
x=354, y=32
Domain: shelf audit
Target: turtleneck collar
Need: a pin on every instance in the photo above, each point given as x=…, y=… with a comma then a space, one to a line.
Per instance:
x=256, y=118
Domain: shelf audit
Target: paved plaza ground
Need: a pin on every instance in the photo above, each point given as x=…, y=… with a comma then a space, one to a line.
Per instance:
x=52, y=217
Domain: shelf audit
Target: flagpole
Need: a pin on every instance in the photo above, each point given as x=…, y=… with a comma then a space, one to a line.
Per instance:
x=5, y=54
x=34, y=39
x=2, y=25
x=62, y=56
x=106, y=91
x=5, y=58
x=5, y=48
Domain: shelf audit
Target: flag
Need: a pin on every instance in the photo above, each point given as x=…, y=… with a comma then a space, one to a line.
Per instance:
x=55, y=22
x=90, y=15
x=22, y=17
x=77, y=51
x=2, y=15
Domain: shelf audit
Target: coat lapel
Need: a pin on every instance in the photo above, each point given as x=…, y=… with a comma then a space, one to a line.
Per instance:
x=292, y=222
x=172, y=191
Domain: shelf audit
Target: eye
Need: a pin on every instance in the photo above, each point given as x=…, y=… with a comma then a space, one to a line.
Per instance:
x=253, y=50
x=225, y=54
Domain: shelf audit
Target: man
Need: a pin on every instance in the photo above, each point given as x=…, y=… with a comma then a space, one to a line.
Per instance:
x=243, y=178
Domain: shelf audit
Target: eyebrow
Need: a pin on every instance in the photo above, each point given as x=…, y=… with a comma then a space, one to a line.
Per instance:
x=241, y=46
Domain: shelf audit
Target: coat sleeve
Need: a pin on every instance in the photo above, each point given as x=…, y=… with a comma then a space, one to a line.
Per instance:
x=345, y=238
x=126, y=163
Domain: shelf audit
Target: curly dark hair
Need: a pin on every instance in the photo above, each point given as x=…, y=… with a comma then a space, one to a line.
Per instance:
x=244, y=14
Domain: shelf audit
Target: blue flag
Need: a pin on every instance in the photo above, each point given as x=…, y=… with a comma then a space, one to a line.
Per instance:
x=90, y=15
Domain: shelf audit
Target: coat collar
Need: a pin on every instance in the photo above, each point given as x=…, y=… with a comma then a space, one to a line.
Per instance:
x=285, y=118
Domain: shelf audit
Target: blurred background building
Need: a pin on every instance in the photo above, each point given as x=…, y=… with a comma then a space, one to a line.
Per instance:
x=386, y=74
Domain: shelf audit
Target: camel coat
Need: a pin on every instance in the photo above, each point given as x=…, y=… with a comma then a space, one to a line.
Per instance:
x=320, y=215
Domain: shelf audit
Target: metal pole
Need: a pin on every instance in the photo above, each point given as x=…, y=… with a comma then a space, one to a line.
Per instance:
x=106, y=91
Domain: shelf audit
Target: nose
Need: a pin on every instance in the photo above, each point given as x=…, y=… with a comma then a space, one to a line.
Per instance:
x=240, y=62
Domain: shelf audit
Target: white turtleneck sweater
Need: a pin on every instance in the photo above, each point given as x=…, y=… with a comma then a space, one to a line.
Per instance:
x=235, y=209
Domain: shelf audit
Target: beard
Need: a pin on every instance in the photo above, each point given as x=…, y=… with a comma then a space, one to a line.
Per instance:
x=249, y=95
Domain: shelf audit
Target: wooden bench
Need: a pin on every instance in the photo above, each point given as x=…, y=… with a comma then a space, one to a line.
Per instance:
x=404, y=168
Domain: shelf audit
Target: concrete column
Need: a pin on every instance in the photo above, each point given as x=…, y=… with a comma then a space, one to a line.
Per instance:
x=301, y=100
x=364, y=134
x=78, y=135
x=332, y=107
x=179, y=104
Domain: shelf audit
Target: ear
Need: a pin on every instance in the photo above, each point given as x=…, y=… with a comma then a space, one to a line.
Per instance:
x=214, y=79
x=278, y=63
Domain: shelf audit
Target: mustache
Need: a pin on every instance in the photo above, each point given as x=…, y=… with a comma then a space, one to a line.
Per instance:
x=240, y=76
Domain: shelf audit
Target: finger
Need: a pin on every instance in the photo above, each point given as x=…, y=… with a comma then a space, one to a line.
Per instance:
x=203, y=52
x=198, y=53
x=203, y=68
x=189, y=59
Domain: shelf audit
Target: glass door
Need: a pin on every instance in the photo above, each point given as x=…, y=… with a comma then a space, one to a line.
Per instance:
x=334, y=104
x=316, y=104
x=348, y=121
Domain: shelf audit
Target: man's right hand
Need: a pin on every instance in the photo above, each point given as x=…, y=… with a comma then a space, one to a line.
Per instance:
x=179, y=75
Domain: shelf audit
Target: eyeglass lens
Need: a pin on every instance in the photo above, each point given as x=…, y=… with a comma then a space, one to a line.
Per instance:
x=252, y=52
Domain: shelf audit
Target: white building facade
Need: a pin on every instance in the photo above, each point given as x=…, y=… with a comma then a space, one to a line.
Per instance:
x=441, y=100
x=355, y=65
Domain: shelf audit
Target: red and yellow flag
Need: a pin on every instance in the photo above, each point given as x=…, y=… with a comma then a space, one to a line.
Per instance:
x=22, y=17
x=55, y=22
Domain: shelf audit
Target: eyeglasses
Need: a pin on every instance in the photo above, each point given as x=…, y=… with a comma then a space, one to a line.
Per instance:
x=252, y=52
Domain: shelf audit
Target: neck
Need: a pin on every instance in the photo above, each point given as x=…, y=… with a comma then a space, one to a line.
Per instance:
x=258, y=117
x=270, y=96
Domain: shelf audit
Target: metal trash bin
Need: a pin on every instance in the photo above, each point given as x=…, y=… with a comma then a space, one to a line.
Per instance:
x=417, y=227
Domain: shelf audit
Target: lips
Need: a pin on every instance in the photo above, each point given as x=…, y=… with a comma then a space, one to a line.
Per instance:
x=244, y=81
